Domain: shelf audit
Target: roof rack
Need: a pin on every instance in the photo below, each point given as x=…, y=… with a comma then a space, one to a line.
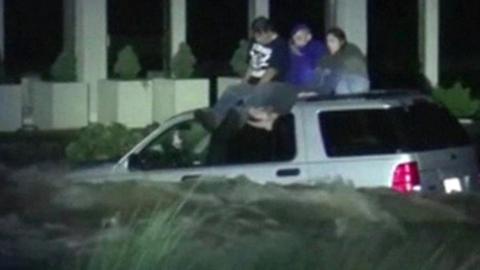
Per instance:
x=373, y=94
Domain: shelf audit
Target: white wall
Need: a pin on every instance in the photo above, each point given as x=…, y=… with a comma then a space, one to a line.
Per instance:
x=171, y=97
x=91, y=47
x=429, y=39
x=60, y=105
x=126, y=102
x=10, y=107
x=224, y=82
x=178, y=24
x=258, y=8
x=351, y=16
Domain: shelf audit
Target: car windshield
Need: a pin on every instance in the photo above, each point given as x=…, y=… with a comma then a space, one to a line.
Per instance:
x=419, y=127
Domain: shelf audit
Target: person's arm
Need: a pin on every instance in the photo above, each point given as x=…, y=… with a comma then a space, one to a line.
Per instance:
x=248, y=75
x=278, y=63
x=319, y=51
x=270, y=73
x=294, y=50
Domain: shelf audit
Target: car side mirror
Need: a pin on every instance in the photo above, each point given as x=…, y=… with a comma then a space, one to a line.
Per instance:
x=135, y=163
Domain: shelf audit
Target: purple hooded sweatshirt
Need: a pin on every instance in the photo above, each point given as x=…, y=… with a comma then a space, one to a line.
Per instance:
x=302, y=67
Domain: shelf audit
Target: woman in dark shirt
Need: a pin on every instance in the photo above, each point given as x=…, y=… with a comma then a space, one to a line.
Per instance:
x=344, y=70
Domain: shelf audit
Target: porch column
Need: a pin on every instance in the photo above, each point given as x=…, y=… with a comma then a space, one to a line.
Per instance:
x=429, y=39
x=351, y=16
x=68, y=24
x=258, y=8
x=178, y=24
x=91, y=47
x=330, y=13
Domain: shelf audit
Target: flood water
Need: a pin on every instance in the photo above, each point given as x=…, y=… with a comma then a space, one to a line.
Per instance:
x=50, y=222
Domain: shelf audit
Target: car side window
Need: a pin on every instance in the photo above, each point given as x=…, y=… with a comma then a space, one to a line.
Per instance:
x=358, y=132
x=251, y=145
x=183, y=145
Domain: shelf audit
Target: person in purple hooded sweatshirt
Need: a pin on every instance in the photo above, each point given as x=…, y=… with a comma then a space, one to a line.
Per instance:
x=305, y=53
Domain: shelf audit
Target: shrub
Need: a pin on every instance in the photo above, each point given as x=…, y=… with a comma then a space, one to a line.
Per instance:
x=98, y=142
x=183, y=62
x=239, y=59
x=457, y=99
x=64, y=69
x=127, y=66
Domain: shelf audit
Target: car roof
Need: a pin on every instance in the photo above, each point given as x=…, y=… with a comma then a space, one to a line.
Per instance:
x=372, y=99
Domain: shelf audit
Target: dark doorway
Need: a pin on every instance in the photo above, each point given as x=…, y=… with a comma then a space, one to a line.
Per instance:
x=140, y=24
x=34, y=32
x=459, y=46
x=214, y=29
x=287, y=13
x=393, y=44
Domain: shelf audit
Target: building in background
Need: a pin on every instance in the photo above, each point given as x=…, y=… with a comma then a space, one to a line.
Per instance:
x=401, y=38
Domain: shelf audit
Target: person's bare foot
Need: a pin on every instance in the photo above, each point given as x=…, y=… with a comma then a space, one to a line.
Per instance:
x=261, y=118
x=266, y=125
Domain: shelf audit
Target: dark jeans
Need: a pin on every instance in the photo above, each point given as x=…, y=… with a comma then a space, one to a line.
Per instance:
x=243, y=96
x=234, y=96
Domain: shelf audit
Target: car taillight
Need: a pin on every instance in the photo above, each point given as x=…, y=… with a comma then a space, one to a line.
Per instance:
x=406, y=178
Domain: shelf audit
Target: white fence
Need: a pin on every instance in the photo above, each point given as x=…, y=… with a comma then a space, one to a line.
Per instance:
x=66, y=105
x=10, y=107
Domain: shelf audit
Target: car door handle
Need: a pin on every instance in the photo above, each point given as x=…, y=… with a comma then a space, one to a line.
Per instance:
x=190, y=177
x=288, y=172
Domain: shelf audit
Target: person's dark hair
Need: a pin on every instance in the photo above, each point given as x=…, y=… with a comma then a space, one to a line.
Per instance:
x=338, y=33
x=262, y=25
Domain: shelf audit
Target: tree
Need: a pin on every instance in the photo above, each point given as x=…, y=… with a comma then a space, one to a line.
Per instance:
x=64, y=68
x=127, y=66
x=239, y=59
x=183, y=62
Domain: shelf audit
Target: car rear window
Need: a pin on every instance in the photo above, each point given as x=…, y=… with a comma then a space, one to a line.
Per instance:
x=419, y=127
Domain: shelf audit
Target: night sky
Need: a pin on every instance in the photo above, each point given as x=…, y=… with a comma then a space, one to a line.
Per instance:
x=34, y=35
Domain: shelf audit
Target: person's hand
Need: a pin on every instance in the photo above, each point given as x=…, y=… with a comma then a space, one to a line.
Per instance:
x=247, y=76
x=306, y=94
x=295, y=50
x=177, y=141
x=326, y=71
x=257, y=113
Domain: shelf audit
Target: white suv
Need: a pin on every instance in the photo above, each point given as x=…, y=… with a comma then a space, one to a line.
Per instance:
x=400, y=140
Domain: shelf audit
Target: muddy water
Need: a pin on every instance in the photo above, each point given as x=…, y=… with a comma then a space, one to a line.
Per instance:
x=46, y=221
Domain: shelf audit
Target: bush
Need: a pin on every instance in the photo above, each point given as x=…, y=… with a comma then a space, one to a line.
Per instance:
x=64, y=69
x=239, y=59
x=236, y=224
x=457, y=99
x=98, y=142
x=183, y=62
x=127, y=66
